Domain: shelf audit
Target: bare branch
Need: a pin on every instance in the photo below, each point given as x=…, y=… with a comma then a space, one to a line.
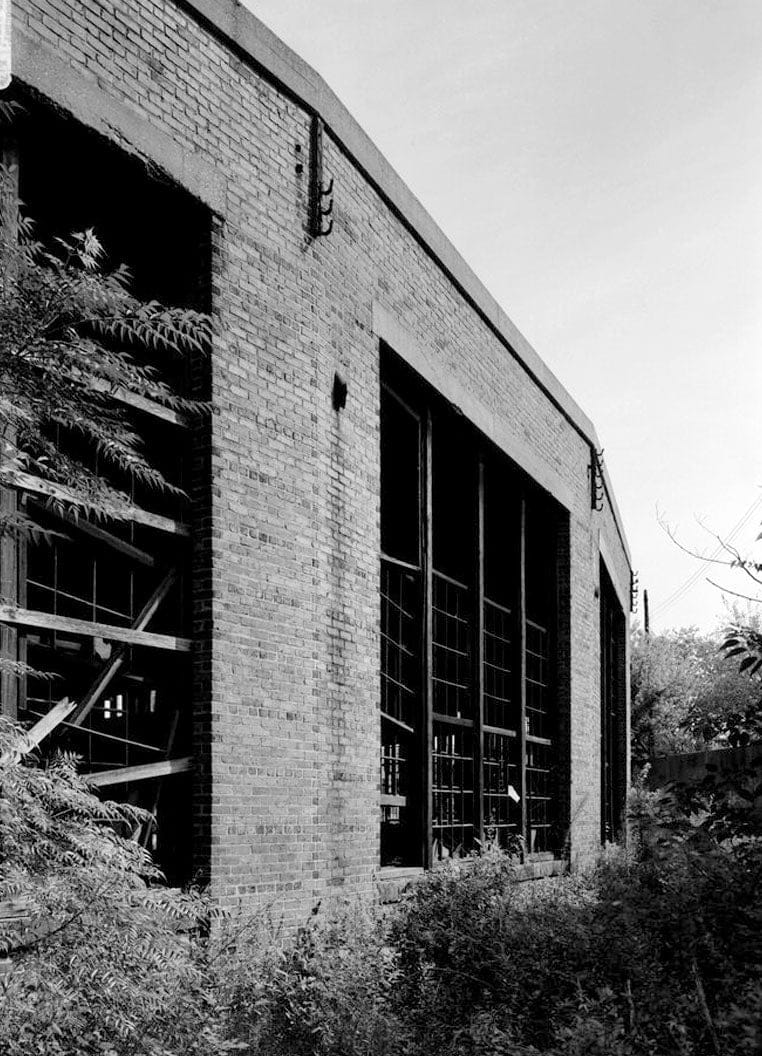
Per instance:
x=726, y=590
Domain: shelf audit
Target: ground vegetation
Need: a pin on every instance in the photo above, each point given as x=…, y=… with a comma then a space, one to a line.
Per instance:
x=655, y=951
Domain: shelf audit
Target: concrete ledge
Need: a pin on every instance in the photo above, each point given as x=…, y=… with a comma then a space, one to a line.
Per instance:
x=541, y=870
x=243, y=33
x=37, y=65
x=393, y=883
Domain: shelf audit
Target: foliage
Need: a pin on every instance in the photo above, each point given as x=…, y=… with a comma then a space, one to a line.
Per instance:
x=73, y=338
x=656, y=951
x=687, y=695
x=103, y=959
x=330, y=991
x=743, y=641
x=73, y=343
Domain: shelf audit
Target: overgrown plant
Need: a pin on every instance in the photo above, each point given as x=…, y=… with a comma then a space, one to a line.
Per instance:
x=688, y=695
x=101, y=951
x=656, y=952
x=73, y=339
x=75, y=346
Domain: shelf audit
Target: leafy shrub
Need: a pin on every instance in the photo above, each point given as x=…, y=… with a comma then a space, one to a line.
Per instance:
x=328, y=992
x=656, y=952
x=72, y=337
x=105, y=953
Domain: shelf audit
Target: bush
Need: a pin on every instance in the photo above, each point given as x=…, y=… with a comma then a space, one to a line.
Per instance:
x=330, y=991
x=656, y=952
x=104, y=957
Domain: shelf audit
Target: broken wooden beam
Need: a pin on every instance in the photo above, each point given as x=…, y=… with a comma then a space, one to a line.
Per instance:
x=144, y=772
x=40, y=730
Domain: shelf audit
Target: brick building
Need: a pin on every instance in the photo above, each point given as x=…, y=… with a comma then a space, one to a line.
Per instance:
x=401, y=543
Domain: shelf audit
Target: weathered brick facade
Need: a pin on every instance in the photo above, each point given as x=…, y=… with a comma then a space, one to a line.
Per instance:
x=287, y=594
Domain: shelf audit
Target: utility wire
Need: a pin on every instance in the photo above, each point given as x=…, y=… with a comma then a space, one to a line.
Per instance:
x=679, y=593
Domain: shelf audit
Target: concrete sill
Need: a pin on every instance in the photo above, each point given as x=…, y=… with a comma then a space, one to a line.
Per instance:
x=394, y=881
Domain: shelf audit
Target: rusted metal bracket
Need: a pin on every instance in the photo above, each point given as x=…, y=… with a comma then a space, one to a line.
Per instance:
x=321, y=195
x=634, y=590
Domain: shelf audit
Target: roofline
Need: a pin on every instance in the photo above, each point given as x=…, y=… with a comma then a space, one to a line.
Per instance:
x=241, y=31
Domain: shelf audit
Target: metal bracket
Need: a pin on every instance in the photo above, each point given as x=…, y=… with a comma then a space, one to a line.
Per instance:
x=321, y=195
x=634, y=590
x=597, y=487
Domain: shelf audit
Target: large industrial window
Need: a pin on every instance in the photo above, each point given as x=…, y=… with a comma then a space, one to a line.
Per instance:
x=470, y=608
x=613, y=705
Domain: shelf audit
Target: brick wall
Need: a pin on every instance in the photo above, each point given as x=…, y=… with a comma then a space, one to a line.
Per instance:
x=289, y=734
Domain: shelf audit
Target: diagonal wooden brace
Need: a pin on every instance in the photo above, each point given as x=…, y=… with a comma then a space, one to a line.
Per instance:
x=110, y=669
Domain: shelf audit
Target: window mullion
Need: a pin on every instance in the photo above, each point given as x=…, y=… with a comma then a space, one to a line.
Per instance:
x=428, y=645
x=522, y=669
x=479, y=658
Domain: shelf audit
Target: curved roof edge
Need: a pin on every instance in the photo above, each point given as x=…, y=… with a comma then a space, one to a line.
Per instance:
x=242, y=31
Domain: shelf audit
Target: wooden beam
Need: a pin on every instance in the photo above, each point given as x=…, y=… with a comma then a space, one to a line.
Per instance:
x=101, y=535
x=145, y=772
x=15, y=909
x=140, y=403
x=40, y=730
x=37, y=486
x=106, y=736
x=47, y=621
x=141, y=621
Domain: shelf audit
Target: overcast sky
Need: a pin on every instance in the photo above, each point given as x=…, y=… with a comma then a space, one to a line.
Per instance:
x=598, y=163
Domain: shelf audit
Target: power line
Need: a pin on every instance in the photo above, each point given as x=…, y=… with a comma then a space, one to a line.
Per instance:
x=679, y=593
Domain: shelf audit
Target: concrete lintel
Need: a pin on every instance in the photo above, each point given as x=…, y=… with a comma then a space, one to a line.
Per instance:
x=37, y=65
x=388, y=328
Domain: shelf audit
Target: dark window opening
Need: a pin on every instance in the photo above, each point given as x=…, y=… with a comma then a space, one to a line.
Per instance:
x=133, y=692
x=502, y=668
x=469, y=697
x=401, y=589
x=540, y=720
x=613, y=705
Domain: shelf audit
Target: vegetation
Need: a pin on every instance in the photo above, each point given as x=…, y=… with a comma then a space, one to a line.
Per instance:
x=75, y=347
x=657, y=951
x=688, y=695
x=74, y=340
x=100, y=956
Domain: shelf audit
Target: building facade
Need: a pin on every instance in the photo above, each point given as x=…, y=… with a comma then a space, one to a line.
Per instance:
x=390, y=623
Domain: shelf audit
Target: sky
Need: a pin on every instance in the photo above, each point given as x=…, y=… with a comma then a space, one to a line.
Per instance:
x=598, y=163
